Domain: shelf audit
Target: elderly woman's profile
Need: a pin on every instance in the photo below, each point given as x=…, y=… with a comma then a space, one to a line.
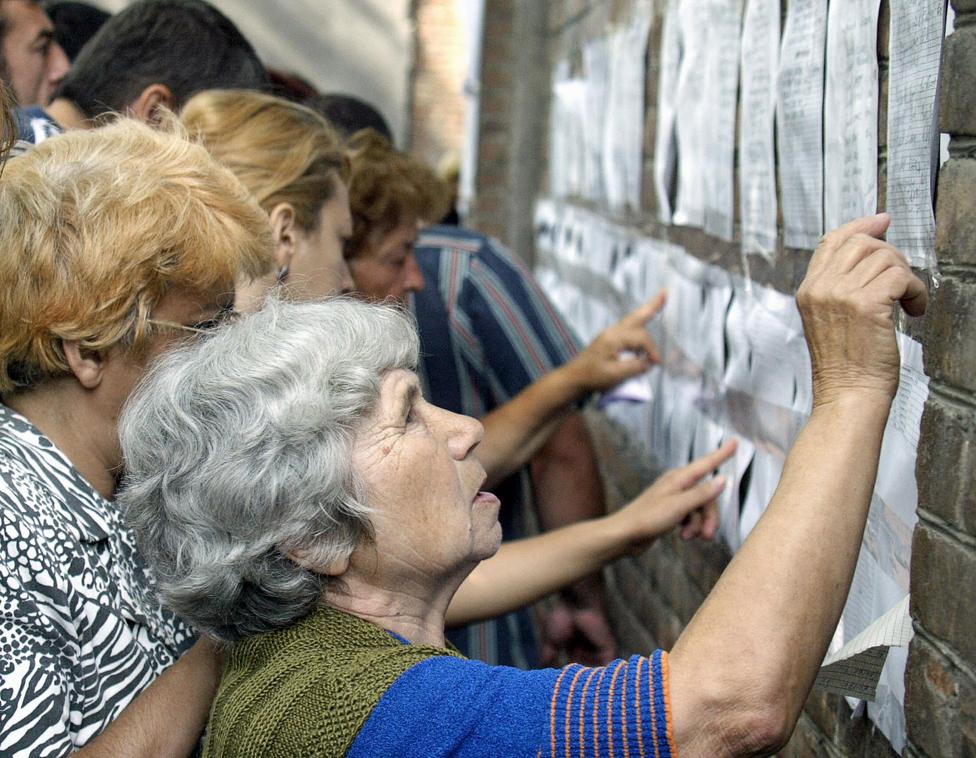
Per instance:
x=299, y=499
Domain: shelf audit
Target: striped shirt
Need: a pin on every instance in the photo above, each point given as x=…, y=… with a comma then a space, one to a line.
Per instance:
x=487, y=331
x=81, y=633
x=452, y=707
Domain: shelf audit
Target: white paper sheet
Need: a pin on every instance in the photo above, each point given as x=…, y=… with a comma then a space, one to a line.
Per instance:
x=596, y=67
x=757, y=162
x=764, y=476
x=623, y=143
x=768, y=364
x=691, y=112
x=729, y=503
x=944, y=138
x=855, y=669
x=566, y=143
x=665, y=148
x=721, y=89
x=851, y=112
x=799, y=122
x=917, y=31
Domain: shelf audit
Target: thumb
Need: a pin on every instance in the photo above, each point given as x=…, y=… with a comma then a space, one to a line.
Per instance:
x=624, y=368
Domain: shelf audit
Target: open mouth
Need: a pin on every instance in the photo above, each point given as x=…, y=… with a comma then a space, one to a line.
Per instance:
x=486, y=498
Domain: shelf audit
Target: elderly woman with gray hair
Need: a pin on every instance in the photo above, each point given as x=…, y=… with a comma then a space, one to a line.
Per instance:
x=299, y=498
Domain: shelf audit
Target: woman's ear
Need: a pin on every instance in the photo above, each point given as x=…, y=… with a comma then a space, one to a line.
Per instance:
x=87, y=365
x=305, y=558
x=284, y=230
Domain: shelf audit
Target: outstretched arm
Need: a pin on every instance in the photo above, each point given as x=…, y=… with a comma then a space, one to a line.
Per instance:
x=741, y=671
x=515, y=431
x=524, y=571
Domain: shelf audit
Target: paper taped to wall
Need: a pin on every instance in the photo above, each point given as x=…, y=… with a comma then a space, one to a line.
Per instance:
x=757, y=162
x=665, y=149
x=855, y=669
x=799, y=122
x=851, y=112
x=917, y=30
x=719, y=105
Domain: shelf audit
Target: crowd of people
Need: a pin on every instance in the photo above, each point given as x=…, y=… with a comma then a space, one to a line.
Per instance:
x=254, y=397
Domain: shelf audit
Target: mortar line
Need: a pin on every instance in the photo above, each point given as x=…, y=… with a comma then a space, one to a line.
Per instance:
x=954, y=396
x=943, y=649
x=946, y=530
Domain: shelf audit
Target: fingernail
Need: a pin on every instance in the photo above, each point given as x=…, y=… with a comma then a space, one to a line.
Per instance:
x=720, y=482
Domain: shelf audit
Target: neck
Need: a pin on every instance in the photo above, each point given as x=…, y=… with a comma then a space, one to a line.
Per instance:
x=63, y=413
x=411, y=611
x=67, y=114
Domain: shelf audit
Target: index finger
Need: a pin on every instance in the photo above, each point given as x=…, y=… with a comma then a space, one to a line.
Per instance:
x=706, y=464
x=875, y=226
x=644, y=313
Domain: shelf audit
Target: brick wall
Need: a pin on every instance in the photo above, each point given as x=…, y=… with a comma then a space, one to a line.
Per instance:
x=941, y=679
x=653, y=596
x=437, y=107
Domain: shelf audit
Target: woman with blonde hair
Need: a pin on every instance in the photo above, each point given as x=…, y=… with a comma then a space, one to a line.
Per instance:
x=116, y=242
x=295, y=166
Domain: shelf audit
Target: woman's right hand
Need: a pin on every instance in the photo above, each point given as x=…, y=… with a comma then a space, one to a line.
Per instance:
x=846, y=300
x=618, y=352
x=679, y=496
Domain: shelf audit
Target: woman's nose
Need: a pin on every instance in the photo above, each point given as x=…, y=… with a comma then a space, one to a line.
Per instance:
x=413, y=277
x=467, y=432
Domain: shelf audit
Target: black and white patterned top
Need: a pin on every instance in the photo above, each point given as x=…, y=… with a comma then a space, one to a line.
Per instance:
x=81, y=633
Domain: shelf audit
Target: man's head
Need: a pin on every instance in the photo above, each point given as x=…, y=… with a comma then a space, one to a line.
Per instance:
x=349, y=114
x=31, y=61
x=74, y=24
x=160, y=53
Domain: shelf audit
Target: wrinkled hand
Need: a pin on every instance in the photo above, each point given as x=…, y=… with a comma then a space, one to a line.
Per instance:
x=577, y=635
x=620, y=351
x=678, y=496
x=846, y=300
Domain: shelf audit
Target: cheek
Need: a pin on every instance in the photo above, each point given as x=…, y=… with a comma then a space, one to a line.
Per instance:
x=371, y=279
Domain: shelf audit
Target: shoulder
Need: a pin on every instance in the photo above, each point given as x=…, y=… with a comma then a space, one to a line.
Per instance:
x=34, y=125
x=42, y=491
x=310, y=685
x=466, y=708
x=450, y=706
x=441, y=240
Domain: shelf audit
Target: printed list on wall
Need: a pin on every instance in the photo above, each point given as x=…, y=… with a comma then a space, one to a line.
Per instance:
x=805, y=87
x=735, y=364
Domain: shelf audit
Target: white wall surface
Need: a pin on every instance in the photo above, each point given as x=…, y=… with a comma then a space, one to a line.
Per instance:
x=359, y=47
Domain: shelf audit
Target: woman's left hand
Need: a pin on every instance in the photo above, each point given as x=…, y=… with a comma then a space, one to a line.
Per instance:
x=679, y=496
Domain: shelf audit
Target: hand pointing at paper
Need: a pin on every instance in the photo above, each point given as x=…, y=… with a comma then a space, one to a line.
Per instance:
x=516, y=430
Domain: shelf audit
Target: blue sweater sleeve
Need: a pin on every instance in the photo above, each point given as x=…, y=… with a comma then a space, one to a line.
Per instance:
x=454, y=707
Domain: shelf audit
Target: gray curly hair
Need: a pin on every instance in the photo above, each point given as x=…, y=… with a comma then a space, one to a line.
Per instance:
x=237, y=451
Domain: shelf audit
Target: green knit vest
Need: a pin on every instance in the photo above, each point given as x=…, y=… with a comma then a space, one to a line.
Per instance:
x=306, y=690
